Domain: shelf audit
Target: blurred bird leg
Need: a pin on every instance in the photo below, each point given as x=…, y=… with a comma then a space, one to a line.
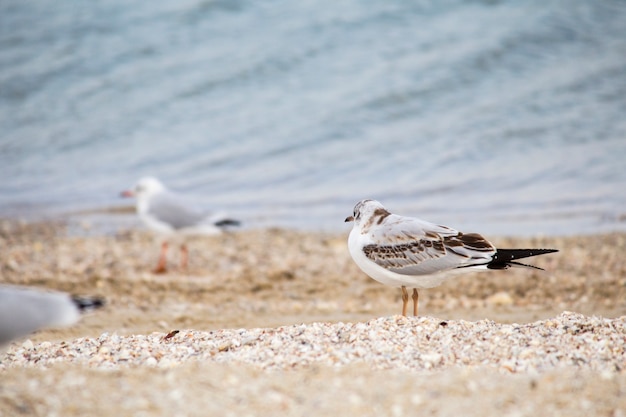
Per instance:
x=184, y=257
x=161, y=267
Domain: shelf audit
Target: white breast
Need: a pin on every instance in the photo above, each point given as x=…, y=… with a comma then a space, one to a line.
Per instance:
x=356, y=242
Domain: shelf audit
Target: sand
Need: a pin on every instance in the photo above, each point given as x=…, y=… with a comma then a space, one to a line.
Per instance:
x=508, y=345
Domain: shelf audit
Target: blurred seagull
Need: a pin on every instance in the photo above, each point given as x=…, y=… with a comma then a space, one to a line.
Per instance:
x=407, y=252
x=24, y=310
x=167, y=213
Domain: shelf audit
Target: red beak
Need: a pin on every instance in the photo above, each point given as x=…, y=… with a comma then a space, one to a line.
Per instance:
x=127, y=193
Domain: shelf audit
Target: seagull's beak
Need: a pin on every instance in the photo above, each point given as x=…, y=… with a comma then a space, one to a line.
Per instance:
x=349, y=219
x=127, y=193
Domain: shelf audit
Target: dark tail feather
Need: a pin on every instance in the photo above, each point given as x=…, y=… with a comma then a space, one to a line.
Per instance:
x=227, y=222
x=504, y=258
x=87, y=303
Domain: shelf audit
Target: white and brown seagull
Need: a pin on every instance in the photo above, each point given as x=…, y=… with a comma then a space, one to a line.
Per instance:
x=407, y=252
x=171, y=214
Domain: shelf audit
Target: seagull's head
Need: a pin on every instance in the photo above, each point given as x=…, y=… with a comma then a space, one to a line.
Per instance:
x=145, y=188
x=366, y=212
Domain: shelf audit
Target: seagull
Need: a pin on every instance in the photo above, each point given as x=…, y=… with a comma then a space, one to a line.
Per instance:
x=167, y=213
x=407, y=252
x=24, y=310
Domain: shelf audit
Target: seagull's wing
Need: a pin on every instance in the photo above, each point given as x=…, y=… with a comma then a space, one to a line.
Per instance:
x=410, y=246
x=24, y=310
x=169, y=208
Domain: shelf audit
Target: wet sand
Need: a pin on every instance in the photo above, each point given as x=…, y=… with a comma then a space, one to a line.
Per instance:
x=274, y=278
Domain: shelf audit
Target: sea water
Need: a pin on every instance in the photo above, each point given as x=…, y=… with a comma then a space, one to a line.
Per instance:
x=491, y=116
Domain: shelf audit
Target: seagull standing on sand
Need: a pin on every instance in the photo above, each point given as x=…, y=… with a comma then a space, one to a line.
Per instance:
x=24, y=310
x=166, y=213
x=407, y=252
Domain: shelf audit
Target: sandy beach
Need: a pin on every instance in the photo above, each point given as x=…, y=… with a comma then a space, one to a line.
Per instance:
x=280, y=321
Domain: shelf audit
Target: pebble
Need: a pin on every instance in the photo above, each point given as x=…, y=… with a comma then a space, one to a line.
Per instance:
x=395, y=342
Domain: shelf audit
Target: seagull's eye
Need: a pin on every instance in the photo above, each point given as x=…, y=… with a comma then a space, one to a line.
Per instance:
x=356, y=214
x=139, y=188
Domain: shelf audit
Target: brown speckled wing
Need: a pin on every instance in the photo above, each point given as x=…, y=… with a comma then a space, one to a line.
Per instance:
x=404, y=255
x=431, y=253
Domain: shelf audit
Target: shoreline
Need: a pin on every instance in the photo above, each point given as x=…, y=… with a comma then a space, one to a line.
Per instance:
x=114, y=219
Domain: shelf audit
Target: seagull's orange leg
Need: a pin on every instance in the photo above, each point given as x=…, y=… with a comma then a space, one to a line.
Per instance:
x=184, y=257
x=415, y=299
x=161, y=267
x=405, y=300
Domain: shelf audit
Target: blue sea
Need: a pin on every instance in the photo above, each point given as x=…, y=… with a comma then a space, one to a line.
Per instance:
x=502, y=117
